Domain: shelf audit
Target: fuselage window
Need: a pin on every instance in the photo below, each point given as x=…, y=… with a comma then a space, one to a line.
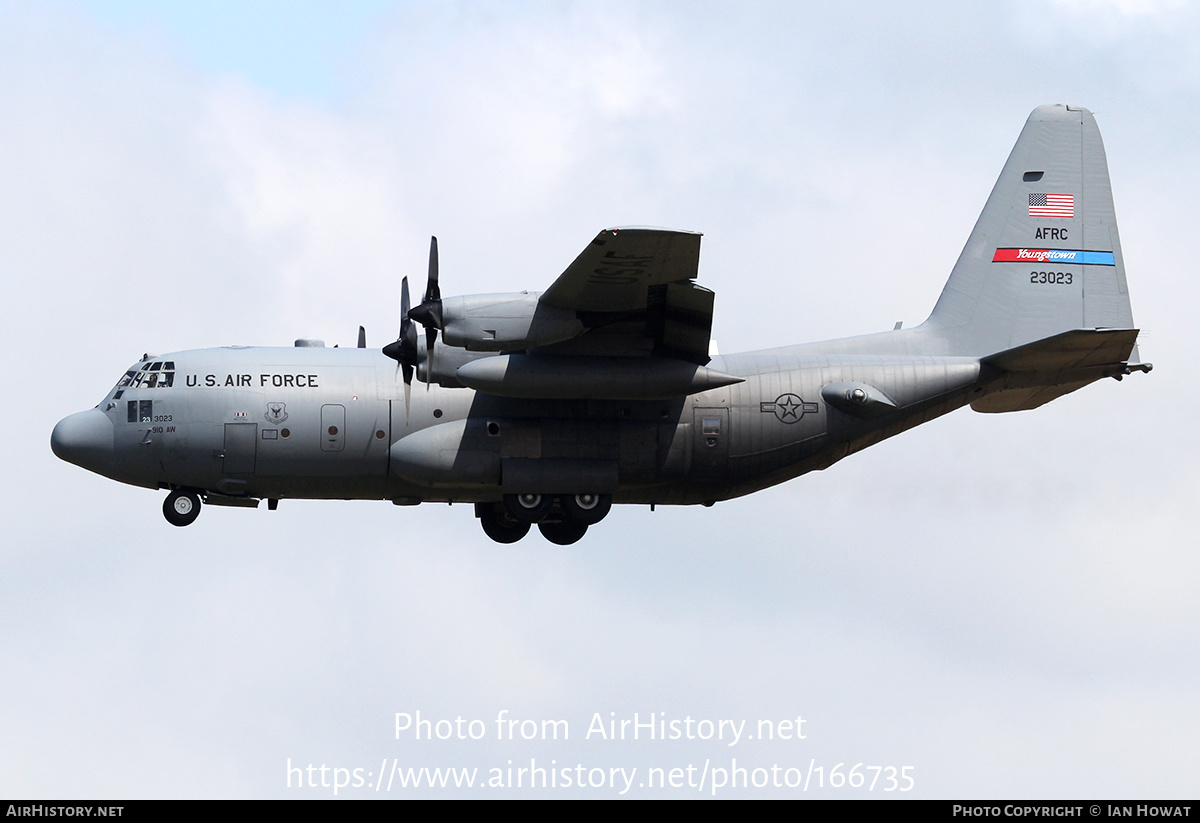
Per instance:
x=139, y=411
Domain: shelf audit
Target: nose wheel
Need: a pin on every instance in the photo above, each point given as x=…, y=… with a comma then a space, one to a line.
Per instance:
x=181, y=508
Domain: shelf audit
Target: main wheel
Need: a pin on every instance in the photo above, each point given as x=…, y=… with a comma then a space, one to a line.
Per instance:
x=585, y=509
x=528, y=508
x=502, y=527
x=181, y=508
x=564, y=534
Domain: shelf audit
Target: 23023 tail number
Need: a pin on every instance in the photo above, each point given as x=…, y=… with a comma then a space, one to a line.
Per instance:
x=1056, y=278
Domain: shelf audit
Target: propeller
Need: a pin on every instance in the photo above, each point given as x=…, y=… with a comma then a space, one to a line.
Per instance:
x=404, y=349
x=429, y=312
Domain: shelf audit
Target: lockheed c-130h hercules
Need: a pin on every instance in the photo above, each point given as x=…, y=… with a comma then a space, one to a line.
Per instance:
x=546, y=408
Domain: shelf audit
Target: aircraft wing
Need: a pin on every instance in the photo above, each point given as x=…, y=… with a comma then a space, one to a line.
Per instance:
x=617, y=269
x=633, y=289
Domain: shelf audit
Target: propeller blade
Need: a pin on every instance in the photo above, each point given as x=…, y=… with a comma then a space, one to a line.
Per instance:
x=404, y=349
x=410, y=354
x=429, y=313
x=432, y=290
x=362, y=337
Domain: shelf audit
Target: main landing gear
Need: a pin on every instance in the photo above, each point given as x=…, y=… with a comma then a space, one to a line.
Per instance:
x=181, y=508
x=562, y=519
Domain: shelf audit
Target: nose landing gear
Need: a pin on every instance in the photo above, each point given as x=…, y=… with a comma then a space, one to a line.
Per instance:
x=181, y=508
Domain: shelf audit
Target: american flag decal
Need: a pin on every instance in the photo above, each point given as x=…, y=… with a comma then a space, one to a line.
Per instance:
x=1052, y=205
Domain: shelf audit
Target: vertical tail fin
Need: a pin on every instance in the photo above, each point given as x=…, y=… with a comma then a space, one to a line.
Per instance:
x=1044, y=257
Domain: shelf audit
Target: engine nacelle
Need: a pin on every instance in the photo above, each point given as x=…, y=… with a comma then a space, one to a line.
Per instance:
x=505, y=322
x=443, y=367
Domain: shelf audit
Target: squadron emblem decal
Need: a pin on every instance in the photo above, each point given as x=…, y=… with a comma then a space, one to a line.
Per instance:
x=789, y=408
x=276, y=413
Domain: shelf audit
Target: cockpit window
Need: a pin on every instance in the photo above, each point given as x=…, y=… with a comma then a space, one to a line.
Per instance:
x=159, y=375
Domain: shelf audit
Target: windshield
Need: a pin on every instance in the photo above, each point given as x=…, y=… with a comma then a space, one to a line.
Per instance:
x=157, y=375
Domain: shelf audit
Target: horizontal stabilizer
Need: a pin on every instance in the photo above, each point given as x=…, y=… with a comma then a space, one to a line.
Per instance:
x=1036, y=373
x=1077, y=349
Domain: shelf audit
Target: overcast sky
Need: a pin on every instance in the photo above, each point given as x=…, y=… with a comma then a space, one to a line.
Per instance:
x=1007, y=604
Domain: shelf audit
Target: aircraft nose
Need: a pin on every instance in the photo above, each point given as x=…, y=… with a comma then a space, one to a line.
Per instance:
x=85, y=439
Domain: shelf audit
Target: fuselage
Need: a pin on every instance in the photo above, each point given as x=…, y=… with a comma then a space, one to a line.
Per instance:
x=305, y=422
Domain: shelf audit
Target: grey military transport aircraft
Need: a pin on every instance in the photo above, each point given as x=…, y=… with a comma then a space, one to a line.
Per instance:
x=548, y=407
